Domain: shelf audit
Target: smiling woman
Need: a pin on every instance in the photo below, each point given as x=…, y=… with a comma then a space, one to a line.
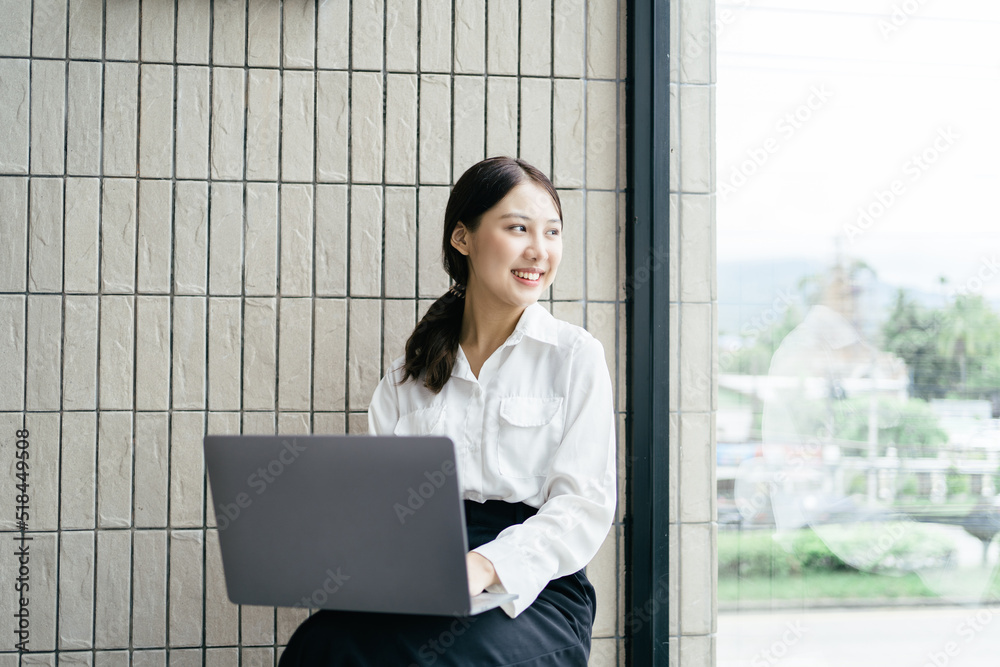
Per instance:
x=527, y=400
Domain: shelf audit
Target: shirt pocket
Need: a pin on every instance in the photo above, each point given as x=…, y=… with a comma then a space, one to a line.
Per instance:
x=529, y=431
x=423, y=421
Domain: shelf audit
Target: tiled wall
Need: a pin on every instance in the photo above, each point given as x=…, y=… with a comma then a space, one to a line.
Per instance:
x=693, y=334
x=226, y=217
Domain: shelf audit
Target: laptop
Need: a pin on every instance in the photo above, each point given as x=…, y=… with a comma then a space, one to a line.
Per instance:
x=347, y=522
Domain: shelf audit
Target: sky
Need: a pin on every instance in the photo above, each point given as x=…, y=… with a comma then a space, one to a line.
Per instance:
x=871, y=125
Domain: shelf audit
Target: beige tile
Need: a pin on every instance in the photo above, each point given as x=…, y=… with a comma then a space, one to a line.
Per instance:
x=297, y=129
x=48, y=28
x=258, y=657
x=14, y=115
x=296, y=229
x=44, y=342
x=48, y=121
x=78, y=485
x=364, y=351
x=696, y=459
x=14, y=230
x=603, y=574
x=156, y=121
x=298, y=24
x=328, y=422
x=86, y=29
x=674, y=357
x=470, y=36
x=332, y=115
x=535, y=123
x=331, y=240
x=568, y=138
x=260, y=321
x=188, y=353
x=225, y=347
x=696, y=247
x=152, y=454
x=157, y=32
x=155, y=658
x=187, y=469
x=366, y=127
x=675, y=135
x=228, y=97
x=106, y=658
x=152, y=351
x=435, y=128
x=569, y=28
x=330, y=364
x=289, y=619
x=602, y=134
x=45, y=256
x=695, y=381
x=229, y=32
x=400, y=320
x=697, y=111
x=79, y=353
x=469, y=129
x=261, y=239
x=44, y=473
x=149, y=589
x=401, y=128
x=114, y=470
x=294, y=422
x=121, y=92
x=111, y=608
x=117, y=338
x=433, y=281
x=357, y=422
x=295, y=355
x=601, y=323
x=603, y=653
x=673, y=468
x=536, y=38
x=602, y=248
x=400, y=233
x=602, y=39
x=222, y=657
x=190, y=657
x=365, y=227
x=332, y=40
x=263, y=123
x=225, y=240
x=568, y=284
x=501, y=114
x=83, y=133
x=435, y=35
x=193, y=22
x=76, y=589
x=15, y=33
x=191, y=134
x=12, y=345
x=401, y=35
x=697, y=595
x=256, y=626
x=185, y=586
x=366, y=34
x=121, y=34
x=502, y=56
x=118, y=231
x=697, y=37
x=697, y=651
x=221, y=615
x=154, y=234
x=674, y=574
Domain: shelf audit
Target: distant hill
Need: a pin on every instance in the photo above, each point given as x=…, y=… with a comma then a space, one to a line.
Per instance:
x=748, y=290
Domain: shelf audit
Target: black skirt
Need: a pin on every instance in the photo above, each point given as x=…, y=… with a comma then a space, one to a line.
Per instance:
x=554, y=631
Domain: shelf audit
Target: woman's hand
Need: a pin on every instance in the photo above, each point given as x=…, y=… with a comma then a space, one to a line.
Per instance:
x=481, y=572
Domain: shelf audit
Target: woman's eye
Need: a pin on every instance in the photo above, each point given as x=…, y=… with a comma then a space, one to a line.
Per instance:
x=519, y=227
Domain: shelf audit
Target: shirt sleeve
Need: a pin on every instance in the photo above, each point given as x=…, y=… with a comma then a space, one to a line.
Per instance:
x=580, y=491
x=383, y=411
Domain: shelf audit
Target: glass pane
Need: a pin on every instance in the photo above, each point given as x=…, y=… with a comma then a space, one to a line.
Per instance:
x=858, y=424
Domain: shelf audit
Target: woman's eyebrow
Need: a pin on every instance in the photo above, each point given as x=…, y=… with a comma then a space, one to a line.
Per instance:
x=522, y=216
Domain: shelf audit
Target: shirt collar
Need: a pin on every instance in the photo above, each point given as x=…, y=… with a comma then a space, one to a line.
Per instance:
x=535, y=322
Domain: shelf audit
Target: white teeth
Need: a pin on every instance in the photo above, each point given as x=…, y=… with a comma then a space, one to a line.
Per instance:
x=526, y=276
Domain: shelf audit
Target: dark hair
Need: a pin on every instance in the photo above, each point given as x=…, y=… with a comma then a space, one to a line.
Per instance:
x=433, y=346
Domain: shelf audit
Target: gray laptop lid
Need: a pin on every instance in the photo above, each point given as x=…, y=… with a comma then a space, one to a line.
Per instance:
x=356, y=522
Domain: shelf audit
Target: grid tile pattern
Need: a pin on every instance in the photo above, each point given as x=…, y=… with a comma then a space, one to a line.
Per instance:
x=225, y=217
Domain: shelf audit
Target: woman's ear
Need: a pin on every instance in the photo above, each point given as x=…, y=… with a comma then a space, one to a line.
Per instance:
x=459, y=239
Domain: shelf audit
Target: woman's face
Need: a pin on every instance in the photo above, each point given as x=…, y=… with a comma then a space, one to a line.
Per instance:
x=521, y=233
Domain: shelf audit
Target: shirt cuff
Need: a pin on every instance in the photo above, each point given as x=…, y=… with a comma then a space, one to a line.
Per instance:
x=514, y=576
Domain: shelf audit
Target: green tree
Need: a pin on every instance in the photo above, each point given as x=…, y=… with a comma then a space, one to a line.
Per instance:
x=971, y=336
x=912, y=332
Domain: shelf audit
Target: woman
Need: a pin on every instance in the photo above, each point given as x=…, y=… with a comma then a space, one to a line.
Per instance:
x=527, y=400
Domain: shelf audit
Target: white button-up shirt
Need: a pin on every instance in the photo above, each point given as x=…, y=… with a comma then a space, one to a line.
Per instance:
x=537, y=426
